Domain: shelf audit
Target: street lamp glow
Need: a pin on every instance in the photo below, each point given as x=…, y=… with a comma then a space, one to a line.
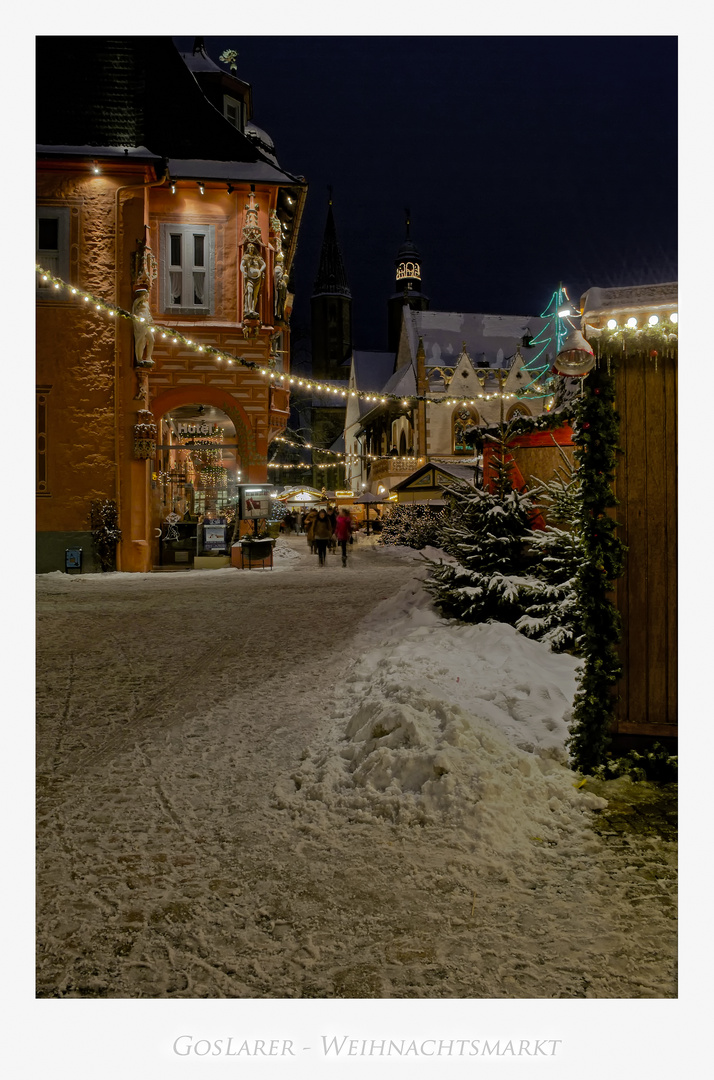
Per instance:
x=673, y=317
x=611, y=324
x=632, y=322
x=653, y=320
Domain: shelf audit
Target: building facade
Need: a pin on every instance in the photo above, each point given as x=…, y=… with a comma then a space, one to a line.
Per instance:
x=454, y=376
x=166, y=231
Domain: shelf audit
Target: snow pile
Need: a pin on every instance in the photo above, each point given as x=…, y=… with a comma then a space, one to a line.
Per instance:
x=444, y=724
x=284, y=553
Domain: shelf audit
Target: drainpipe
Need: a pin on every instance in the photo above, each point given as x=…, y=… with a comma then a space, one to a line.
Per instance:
x=117, y=281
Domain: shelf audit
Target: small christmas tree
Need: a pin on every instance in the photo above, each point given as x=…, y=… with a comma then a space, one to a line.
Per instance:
x=412, y=525
x=488, y=534
x=552, y=612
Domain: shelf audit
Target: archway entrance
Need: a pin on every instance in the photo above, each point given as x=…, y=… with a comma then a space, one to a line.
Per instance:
x=195, y=485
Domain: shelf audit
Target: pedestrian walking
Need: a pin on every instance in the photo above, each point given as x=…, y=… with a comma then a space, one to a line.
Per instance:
x=321, y=535
x=332, y=515
x=310, y=518
x=343, y=531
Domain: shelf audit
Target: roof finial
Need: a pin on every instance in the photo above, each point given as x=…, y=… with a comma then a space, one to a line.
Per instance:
x=198, y=45
x=329, y=194
x=406, y=211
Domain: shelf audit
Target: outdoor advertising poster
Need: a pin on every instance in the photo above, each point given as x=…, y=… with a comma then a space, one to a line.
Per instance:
x=255, y=502
x=214, y=537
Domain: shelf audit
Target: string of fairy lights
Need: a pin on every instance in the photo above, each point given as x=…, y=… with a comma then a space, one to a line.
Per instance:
x=533, y=391
x=347, y=458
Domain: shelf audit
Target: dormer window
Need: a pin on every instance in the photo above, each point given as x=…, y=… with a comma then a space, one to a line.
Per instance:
x=233, y=112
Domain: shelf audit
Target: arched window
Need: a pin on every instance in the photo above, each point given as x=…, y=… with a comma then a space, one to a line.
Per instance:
x=518, y=410
x=465, y=427
x=402, y=445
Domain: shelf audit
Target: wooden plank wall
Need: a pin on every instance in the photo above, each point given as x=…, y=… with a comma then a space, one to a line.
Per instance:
x=646, y=595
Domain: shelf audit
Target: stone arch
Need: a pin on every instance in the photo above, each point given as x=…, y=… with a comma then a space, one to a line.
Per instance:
x=519, y=409
x=196, y=393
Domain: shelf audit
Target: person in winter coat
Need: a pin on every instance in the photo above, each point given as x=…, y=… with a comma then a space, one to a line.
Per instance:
x=308, y=523
x=332, y=515
x=321, y=534
x=343, y=531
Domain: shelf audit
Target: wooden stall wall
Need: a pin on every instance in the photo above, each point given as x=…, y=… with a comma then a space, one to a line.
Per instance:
x=646, y=594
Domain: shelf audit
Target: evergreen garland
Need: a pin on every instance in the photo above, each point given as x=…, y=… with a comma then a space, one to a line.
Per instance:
x=595, y=438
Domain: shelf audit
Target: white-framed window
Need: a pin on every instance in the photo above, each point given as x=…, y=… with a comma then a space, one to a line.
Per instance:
x=187, y=268
x=233, y=111
x=52, y=246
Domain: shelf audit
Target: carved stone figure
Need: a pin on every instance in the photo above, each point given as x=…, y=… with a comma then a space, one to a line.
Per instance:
x=143, y=332
x=253, y=269
x=280, y=286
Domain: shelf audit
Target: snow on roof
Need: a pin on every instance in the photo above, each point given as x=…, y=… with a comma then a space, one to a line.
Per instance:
x=631, y=296
x=122, y=152
x=458, y=471
x=200, y=169
x=489, y=339
x=403, y=381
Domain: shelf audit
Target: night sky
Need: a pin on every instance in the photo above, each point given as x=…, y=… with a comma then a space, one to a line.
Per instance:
x=524, y=161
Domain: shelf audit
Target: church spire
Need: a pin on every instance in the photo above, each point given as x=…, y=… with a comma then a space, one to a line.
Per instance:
x=331, y=276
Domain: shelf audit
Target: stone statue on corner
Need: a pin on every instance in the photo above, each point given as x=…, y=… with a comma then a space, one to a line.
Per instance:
x=253, y=269
x=143, y=329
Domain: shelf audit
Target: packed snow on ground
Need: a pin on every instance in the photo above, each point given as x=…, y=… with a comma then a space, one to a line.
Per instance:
x=308, y=784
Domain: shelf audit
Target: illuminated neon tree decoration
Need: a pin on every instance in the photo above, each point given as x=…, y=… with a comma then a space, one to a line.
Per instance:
x=548, y=342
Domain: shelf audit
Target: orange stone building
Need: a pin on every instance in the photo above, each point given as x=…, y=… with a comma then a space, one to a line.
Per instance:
x=166, y=232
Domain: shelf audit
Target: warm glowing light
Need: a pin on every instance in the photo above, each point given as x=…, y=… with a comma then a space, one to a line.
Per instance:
x=653, y=320
x=673, y=317
x=611, y=324
x=564, y=312
x=632, y=322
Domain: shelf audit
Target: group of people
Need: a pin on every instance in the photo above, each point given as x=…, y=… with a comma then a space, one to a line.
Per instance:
x=327, y=528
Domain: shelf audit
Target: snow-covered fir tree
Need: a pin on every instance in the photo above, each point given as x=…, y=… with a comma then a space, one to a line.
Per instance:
x=412, y=525
x=488, y=534
x=552, y=612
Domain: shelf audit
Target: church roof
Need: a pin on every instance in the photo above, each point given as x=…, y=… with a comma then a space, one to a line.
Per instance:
x=403, y=381
x=372, y=369
x=331, y=276
x=490, y=340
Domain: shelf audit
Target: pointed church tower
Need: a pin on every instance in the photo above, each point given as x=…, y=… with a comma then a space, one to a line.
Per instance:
x=408, y=285
x=331, y=309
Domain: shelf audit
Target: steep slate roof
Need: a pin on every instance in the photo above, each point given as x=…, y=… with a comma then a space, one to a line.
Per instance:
x=403, y=381
x=444, y=334
x=126, y=93
x=372, y=370
x=331, y=276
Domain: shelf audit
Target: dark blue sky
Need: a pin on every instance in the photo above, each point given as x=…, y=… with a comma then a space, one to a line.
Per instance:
x=524, y=161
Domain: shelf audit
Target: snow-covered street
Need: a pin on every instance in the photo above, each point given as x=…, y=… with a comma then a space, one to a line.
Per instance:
x=303, y=783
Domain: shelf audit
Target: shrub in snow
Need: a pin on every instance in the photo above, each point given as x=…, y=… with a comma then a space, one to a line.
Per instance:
x=488, y=533
x=412, y=525
x=105, y=532
x=656, y=764
x=552, y=609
